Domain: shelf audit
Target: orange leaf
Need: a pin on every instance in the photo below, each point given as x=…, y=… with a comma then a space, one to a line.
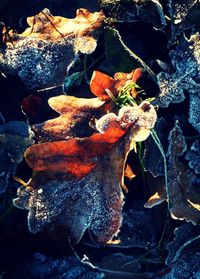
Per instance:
x=99, y=82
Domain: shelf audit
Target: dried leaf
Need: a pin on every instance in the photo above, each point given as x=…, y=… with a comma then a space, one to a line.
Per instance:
x=101, y=82
x=44, y=266
x=15, y=137
x=43, y=54
x=75, y=115
x=81, y=183
x=77, y=155
x=185, y=79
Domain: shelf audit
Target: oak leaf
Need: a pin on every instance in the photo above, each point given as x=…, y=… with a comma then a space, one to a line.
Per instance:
x=101, y=83
x=182, y=196
x=77, y=181
x=43, y=54
x=75, y=115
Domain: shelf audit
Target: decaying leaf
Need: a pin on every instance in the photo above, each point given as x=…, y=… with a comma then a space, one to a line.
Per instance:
x=15, y=137
x=43, y=54
x=149, y=11
x=184, y=197
x=43, y=266
x=78, y=180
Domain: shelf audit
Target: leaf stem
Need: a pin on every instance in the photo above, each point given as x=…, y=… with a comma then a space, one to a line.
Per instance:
x=160, y=147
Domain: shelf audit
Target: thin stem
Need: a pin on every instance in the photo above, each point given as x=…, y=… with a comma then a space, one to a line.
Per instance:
x=160, y=147
x=85, y=68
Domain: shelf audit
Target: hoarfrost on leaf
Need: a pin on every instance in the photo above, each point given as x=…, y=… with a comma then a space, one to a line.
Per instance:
x=74, y=191
x=183, y=197
x=43, y=54
x=15, y=137
x=184, y=256
x=184, y=15
x=149, y=11
x=193, y=156
x=186, y=61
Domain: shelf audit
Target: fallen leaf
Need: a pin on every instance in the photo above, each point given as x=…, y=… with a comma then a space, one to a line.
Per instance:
x=183, y=257
x=43, y=54
x=185, y=59
x=15, y=137
x=77, y=182
x=100, y=83
x=184, y=16
x=184, y=198
x=75, y=116
x=149, y=11
x=119, y=56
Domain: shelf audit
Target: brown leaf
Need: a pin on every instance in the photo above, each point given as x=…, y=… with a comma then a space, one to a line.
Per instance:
x=68, y=156
x=48, y=27
x=75, y=116
x=100, y=82
x=43, y=54
x=77, y=182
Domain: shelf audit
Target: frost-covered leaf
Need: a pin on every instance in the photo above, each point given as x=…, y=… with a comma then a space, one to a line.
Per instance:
x=193, y=156
x=182, y=194
x=149, y=11
x=194, y=109
x=186, y=61
x=184, y=15
x=78, y=181
x=42, y=266
x=43, y=54
x=185, y=79
x=75, y=115
x=184, y=256
x=15, y=137
x=120, y=57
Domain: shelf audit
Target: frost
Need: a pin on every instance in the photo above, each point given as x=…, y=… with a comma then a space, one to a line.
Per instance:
x=75, y=115
x=80, y=178
x=183, y=14
x=15, y=137
x=183, y=197
x=186, y=60
x=184, y=256
x=194, y=110
x=193, y=157
x=55, y=268
x=50, y=45
x=149, y=11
